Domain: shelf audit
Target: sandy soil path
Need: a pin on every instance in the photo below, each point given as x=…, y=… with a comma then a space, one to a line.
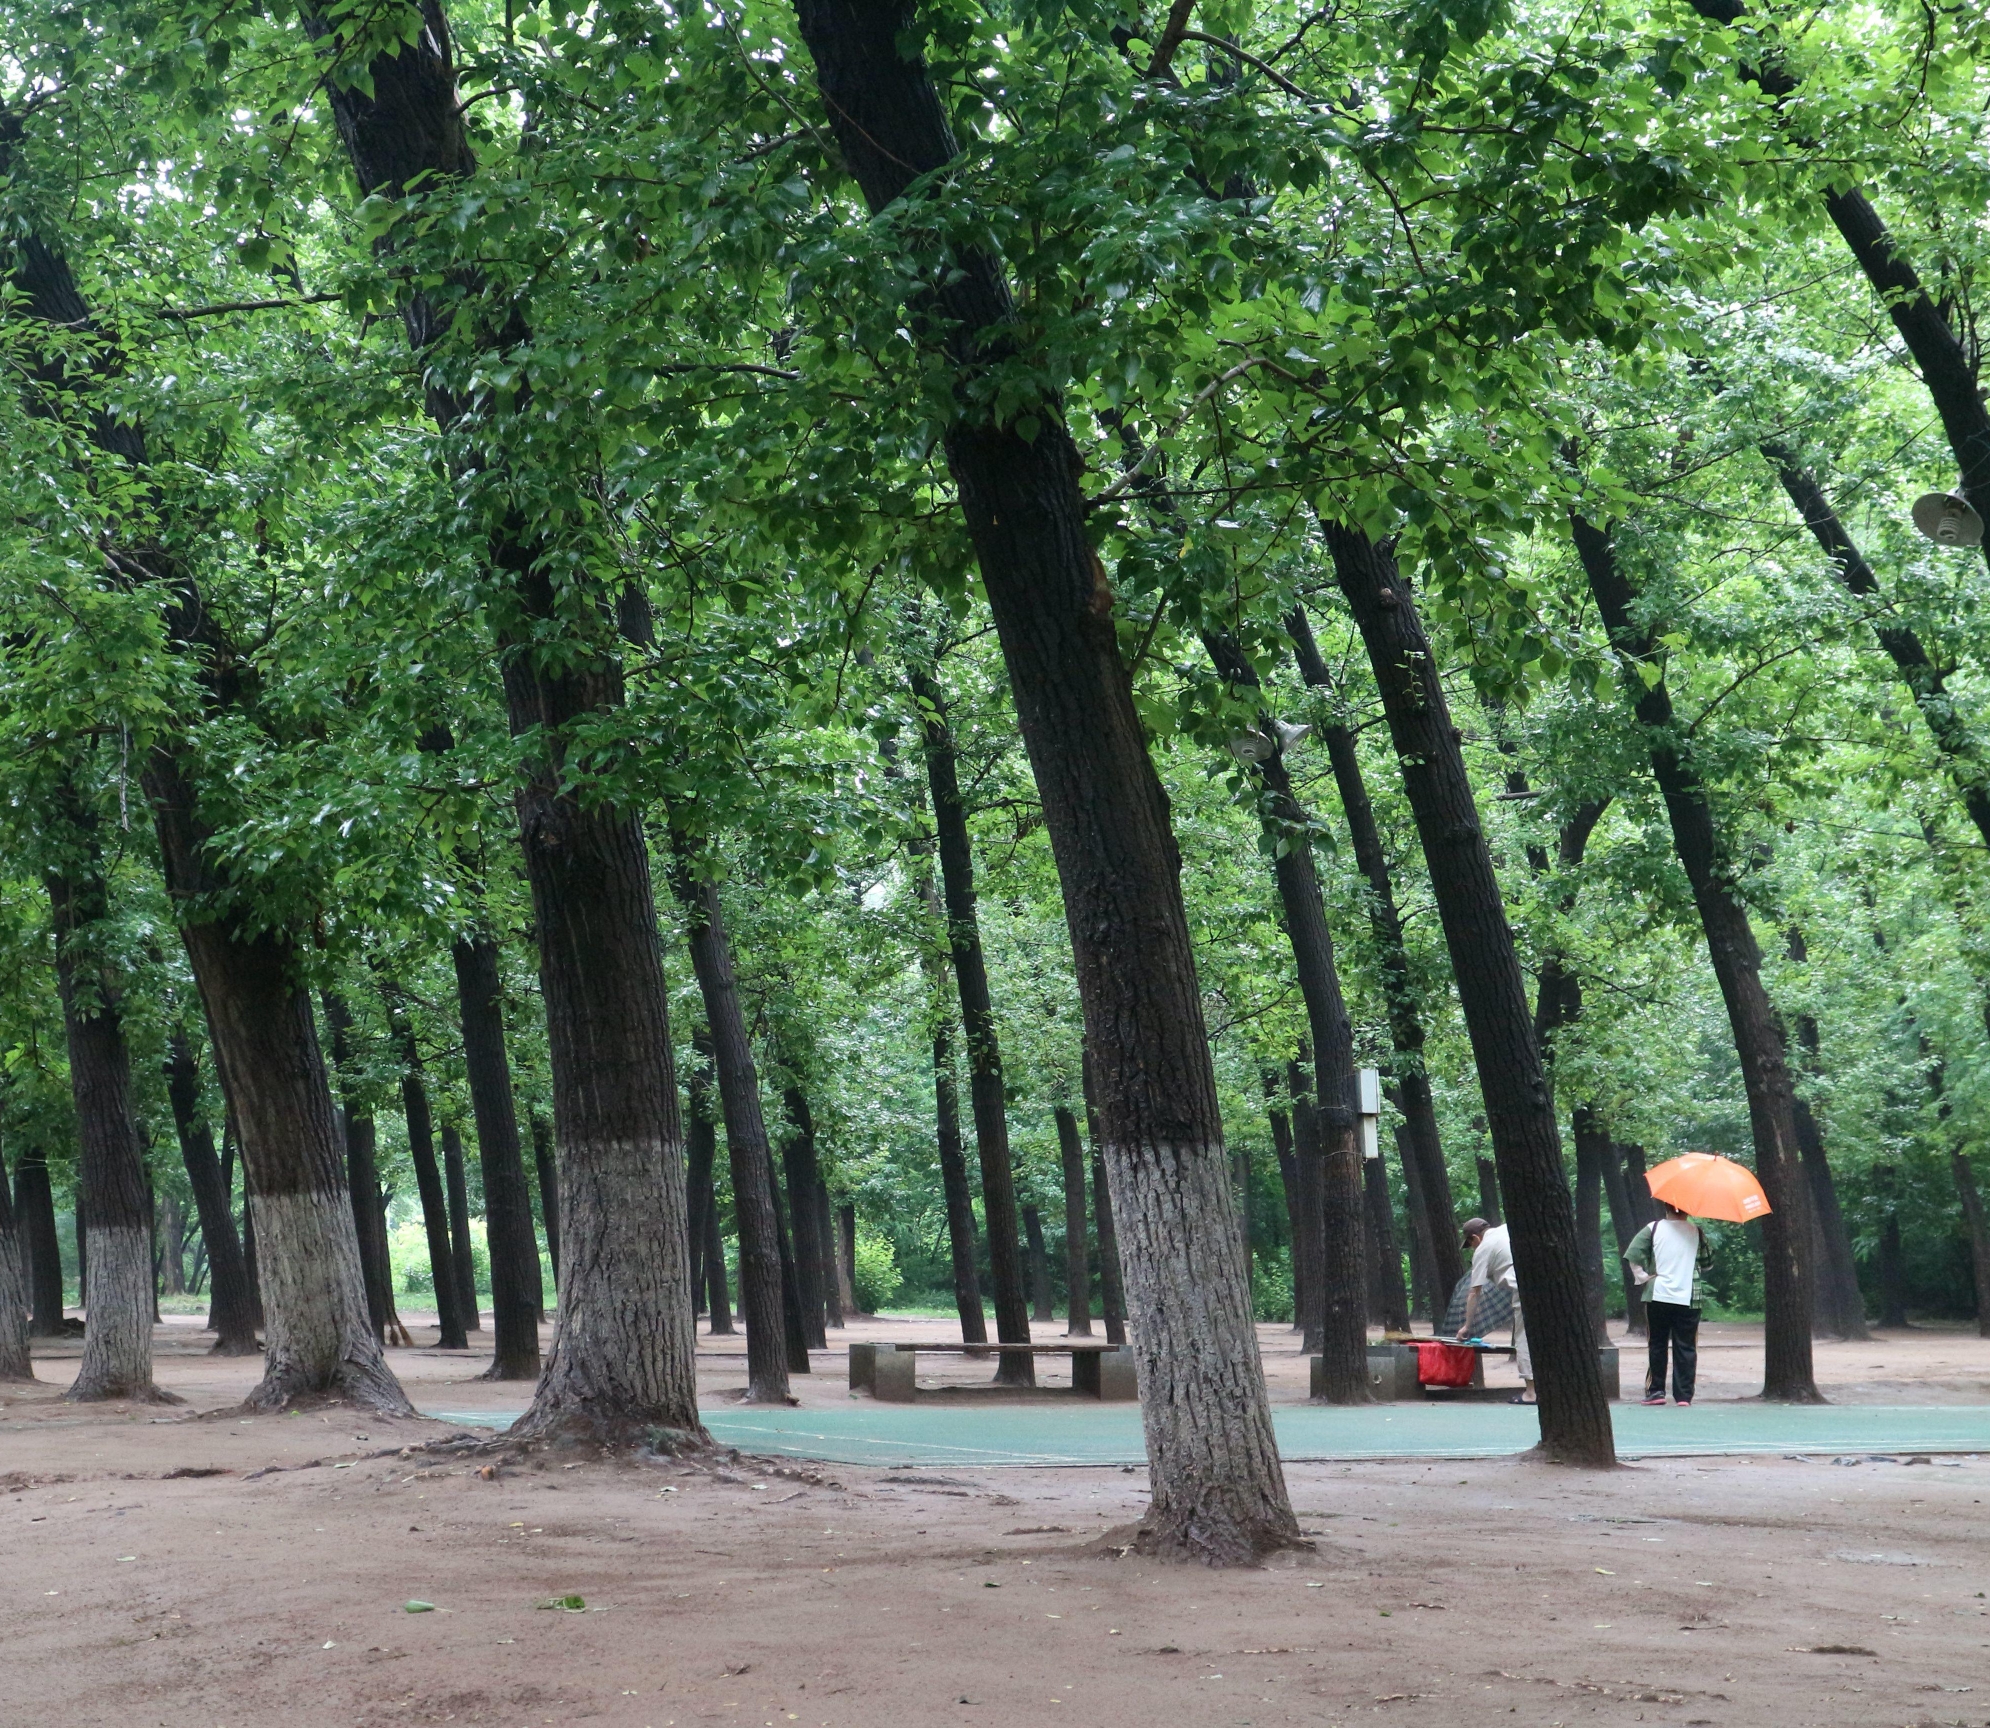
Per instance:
x=205, y=1570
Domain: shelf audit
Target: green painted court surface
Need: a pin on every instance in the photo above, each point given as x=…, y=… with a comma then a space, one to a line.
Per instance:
x=1049, y=1434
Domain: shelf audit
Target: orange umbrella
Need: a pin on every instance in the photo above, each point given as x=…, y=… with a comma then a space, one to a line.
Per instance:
x=1709, y=1187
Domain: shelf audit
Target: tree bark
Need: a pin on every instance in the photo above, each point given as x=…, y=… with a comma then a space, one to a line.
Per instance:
x=1077, y=1268
x=547, y=1166
x=1592, y=1153
x=760, y=1280
x=429, y=1188
x=1892, y=1262
x=16, y=1362
x=1218, y=1492
x=1574, y=1415
x=1341, y=1307
x=34, y=1207
x=798, y=1160
x=1112, y=1286
x=1041, y=1306
x=622, y=1357
x=718, y=1299
x=1424, y=1281
x=985, y=1087
x=846, y=1227
x=953, y=1174
x=231, y=1314
x=362, y=1174
x=1308, y=1237
x=794, y=1333
x=1388, y=1258
x=835, y=1280
x=701, y=1142
x=1737, y=964
x=1406, y=1028
x=1623, y=1225
x=1287, y=1154
x=462, y=1262
x=517, y=1295
x=1978, y=1224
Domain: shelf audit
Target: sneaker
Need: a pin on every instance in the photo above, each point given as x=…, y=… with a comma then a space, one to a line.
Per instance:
x=1682, y=1403
x=1655, y=1398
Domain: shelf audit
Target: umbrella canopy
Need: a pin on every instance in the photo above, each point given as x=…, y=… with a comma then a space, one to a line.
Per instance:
x=1709, y=1187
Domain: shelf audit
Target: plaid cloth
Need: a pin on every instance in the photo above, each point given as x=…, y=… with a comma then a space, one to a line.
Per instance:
x=1495, y=1309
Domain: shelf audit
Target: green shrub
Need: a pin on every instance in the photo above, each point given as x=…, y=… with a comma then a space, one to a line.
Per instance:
x=876, y=1275
x=1271, y=1285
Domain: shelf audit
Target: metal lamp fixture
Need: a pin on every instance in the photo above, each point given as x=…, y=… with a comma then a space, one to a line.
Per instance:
x=1261, y=746
x=1948, y=519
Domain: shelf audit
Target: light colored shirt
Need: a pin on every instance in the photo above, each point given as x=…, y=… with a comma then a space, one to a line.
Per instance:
x=1643, y=1257
x=1675, y=1253
x=1492, y=1260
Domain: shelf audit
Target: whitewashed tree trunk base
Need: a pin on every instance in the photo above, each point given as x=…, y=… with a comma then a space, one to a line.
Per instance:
x=1202, y=1393
x=318, y=1337
x=622, y=1365
x=15, y=1361
x=117, y=1333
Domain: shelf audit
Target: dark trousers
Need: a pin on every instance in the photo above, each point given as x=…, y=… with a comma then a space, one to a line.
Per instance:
x=1675, y=1324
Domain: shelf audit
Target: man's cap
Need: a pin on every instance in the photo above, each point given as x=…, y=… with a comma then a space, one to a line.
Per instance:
x=1475, y=1227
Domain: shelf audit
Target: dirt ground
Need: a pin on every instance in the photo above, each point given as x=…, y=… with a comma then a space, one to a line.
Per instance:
x=163, y=1566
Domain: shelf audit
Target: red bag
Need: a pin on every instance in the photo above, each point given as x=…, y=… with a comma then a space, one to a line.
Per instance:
x=1445, y=1364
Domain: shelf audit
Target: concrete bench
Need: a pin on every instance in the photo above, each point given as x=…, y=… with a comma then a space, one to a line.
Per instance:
x=889, y=1372
x=1392, y=1372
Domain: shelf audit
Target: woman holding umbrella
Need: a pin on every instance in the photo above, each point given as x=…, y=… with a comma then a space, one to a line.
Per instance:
x=1667, y=1255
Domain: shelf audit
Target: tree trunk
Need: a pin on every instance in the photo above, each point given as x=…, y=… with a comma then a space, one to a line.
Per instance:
x=548, y=1168
x=794, y=1334
x=1288, y=1181
x=231, y=1312
x=622, y=1357
x=1592, y=1152
x=1840, y=1306
x=1574, y=1415
x=1218, y=1492
x=517, y=1296
x=1945, y=364
x=168, y=1242
x=1307, y=1235
x=1077, y=1270
x=954, y=1183
x=761, y=1298
x=462, y=1256
x=985, y=1088
x=1978, y=1225
x=1425, y=1283
x=1112, y=1286
x=701, y=1142
x=318, y=1333
x=34, y=1207
x=1623, y=1225
x=846, y=1227
x=1892, y=1263
x=718, y=1299
x=1737, y=963
x=1489, y=1206
x=1406, y=1029
x=429, y=1188
x=362, y=1171
x=804, y=1176
x=1388, y=1258
x=1342, y=1306
x=16, y=1363
x=835, y=1277
x=1041, y=1307
x=1923, y=678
